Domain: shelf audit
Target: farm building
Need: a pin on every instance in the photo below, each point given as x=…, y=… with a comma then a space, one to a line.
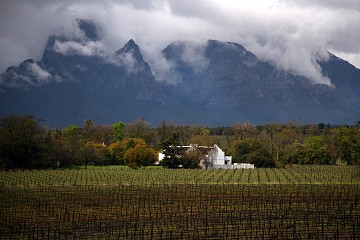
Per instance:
x=213, y=157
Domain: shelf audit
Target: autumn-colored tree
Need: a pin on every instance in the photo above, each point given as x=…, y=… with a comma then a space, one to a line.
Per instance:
x=244, y=130
x=118, y=149
x=203, y=140
x=102, y=134
x=101, y=154
x=140, y=155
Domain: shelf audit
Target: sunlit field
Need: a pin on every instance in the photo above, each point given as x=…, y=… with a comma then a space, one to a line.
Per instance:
x=297, y=202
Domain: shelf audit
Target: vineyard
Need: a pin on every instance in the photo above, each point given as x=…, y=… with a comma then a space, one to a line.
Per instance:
x=299, y=202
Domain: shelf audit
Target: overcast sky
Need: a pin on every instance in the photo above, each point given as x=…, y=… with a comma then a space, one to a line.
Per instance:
x=292, y=34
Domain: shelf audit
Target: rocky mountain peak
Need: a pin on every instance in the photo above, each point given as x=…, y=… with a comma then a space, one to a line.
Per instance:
x=132, y=48
x=218, y=83
x=89, y=28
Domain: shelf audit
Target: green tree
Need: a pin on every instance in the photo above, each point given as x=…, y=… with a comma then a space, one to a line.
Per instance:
x=117, y=132
x=87, y=153
x=251, y=151
x=348, y=144
x=72, y=138
x=163, y=131
x=295, y=153
x=312, y=151
x=316, y=151
x=171, y=150
x=117, y=153
x=20, y=141
x=191, y=159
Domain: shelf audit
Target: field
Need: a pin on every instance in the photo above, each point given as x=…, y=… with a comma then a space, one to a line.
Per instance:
x=300, y=202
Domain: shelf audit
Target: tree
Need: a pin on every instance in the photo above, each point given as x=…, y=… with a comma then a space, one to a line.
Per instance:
x=87, y=153
x=171, y=150
x=276, y=138
x=117, y=132
x=117, y=153
x=251, y=151
x=141, y=129
x=140, y=155
x=244, y=130
x=162, y=131
x=20, y=141
x=312, y=151
x=57, y=153
x=97, y=133
x=192, y=158
x=137, y=129
x=71, y=136
x=348, y=144
x=97, y=154
x=117, y=150
x=295, y=153
x=203, y=140
x=315, y=149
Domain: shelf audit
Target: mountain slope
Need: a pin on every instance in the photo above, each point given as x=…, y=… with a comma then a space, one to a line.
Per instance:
x=256, y=91
x=68, y=86
x=219, y=83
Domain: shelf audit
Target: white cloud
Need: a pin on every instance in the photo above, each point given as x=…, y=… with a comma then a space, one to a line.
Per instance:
x=289, y=33
x=90, y=48
x=194, y=55
x=38, y=72
x=126, y=60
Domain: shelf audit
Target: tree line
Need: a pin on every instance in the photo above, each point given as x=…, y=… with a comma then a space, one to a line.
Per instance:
x=26, y=143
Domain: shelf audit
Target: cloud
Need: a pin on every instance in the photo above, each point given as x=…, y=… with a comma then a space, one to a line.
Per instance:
x=38, y=72
x=164, y=70
x=194, y=55
x=291, y=34
x=332, y=4
x=38, y=76
x=17, y=81
x=90, y=48
x=126, y=60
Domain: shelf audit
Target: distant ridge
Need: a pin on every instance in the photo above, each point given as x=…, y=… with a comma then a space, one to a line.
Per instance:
x=218, y=83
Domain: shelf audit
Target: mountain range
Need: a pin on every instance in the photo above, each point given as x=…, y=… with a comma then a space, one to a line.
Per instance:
x=214, y=83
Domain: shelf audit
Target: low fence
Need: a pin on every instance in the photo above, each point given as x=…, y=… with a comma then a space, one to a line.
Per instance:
x=234, y=166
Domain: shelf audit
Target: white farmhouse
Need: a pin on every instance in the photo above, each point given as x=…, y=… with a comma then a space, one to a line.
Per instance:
x=214, y=158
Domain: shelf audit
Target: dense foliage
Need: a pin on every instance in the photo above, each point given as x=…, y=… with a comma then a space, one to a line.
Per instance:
x=251, y=151
x=25, y=143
